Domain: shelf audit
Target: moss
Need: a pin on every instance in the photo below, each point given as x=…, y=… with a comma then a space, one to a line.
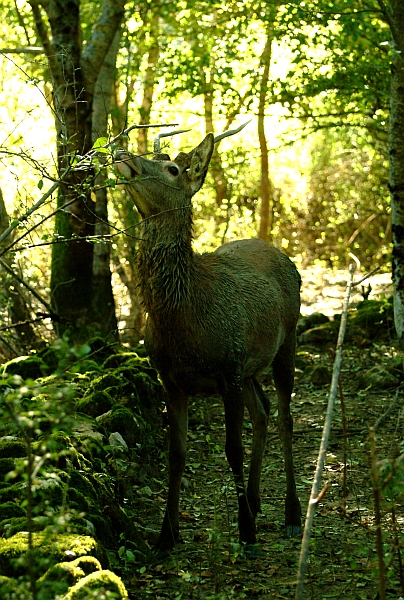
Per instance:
x=100, y=349
x=95, y=404
x=96, y=583
x=11, y=526
x=12, y=448
x=108, y=380
x=103, y=529
x=6, y=465
x=8, y=510
x=122, y=420
x=28, y=367
x=81, y=483
x=50, y=357
x=117, y=360
x=77, y=500
x=13, y=551
x=63, y=575
x=84, y=366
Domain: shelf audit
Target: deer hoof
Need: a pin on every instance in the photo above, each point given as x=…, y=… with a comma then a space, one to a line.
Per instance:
x=293, y=530
x=249, y=551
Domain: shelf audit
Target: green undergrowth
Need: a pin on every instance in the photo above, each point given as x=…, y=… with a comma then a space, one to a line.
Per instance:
x=75, y=424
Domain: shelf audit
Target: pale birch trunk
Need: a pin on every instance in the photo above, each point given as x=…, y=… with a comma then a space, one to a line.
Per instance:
x=266, y=186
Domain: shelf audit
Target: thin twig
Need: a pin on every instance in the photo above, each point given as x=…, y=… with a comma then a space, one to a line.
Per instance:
x=395, y=403
x=372, y=272
x=9, y=270
x=324, y=441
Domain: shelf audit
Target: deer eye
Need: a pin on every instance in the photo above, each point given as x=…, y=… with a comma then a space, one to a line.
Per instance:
x=173, y=170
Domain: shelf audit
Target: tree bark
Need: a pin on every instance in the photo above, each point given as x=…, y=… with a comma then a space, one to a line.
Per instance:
x=74, y=74
x=396, y=160
x=103, y=303
x=148, y=86
x=266, y=186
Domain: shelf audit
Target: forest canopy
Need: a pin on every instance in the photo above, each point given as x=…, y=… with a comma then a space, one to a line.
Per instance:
x=309, y=173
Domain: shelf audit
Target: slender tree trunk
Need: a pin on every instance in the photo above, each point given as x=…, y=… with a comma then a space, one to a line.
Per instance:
x=266, y=216
x=74, y=71
x=148, y=86
x=396, y=160
x=103, y=304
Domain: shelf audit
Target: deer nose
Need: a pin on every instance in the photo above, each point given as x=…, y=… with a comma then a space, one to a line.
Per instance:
x=126, y=162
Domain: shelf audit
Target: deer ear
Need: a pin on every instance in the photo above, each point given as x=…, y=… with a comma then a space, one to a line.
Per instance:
x=200, y=159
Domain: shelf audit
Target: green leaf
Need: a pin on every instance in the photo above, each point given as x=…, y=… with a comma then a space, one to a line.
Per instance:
x=99, y=143
x=40, y=184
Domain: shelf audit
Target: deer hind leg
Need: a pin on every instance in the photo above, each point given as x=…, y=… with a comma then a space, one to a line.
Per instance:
x=234, y=413
x=283, y=372
x=177, y=410
x=258, y=407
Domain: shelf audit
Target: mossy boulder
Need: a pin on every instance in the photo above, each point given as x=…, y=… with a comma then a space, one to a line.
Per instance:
x=48, y=548
x=6, y=465
x=95, y=404
x=28, y=367
x=62, y=576
x=12, y=447
x=373, y=318
x=97, y=583
x=107, y=382
x=8, y=510
x=117, y=360
x=320, y=335
x=122, y=420
x=85, y=367
x=309, y=321
x=377, y=377
x=319, y=375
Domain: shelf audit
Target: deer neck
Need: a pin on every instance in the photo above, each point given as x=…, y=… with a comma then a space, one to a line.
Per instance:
x=166, y=264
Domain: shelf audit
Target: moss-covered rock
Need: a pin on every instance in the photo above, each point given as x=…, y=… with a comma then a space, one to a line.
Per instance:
x=47, y=547
x=122, y=420
x=62, y=576
x=28, y=367
x=374, y=318
x=320, y=375
x=95, y=404
x=101, y=349
x=8, y=510
x=85, y=367
x=309, y=321
x=12, y=447
x=320, y=335
x=11, y=526
x=117, y=360
x=104, y=382
x=95, y=584
x=6, y=465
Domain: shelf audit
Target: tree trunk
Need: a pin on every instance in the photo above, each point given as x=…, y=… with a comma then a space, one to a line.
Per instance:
x=148, y=86
x=396, y=160
x=74, y=72
x=266, y=215
x=103, y=304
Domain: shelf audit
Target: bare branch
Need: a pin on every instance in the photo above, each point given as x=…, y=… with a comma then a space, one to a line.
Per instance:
x=9, y=270
x=23, y=50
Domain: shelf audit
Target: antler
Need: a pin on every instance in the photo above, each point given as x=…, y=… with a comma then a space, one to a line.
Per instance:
x=230, y=132
x=217, y=138
x=156, y=141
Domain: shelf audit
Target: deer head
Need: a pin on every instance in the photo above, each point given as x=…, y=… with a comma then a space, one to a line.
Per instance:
x=161, y=184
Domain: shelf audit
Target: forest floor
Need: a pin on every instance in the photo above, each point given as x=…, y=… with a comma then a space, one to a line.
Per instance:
x=342, y=562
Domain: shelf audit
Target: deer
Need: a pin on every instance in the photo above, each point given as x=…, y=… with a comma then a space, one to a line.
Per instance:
x=214, y=321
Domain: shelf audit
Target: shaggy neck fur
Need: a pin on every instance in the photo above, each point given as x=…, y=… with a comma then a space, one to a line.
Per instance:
x=166, y=262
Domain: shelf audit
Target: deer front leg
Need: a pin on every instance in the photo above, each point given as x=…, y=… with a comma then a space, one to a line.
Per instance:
x=177, y=410
x=234, y=413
